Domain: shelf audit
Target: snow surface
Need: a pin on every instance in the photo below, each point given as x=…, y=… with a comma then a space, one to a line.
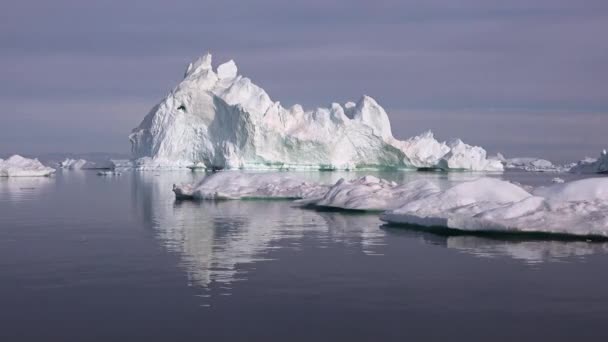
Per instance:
x=577, y=208
x=238, y=185
x=18, y=166
x=221, y=120
x=371, y=193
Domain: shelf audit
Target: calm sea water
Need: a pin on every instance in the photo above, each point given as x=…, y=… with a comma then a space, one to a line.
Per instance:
x=89, y=258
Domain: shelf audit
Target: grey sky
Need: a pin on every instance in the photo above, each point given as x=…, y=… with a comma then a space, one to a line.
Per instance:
x=521, y=77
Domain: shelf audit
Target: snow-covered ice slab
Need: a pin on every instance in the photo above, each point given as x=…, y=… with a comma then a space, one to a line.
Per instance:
x=240, y=185
x=574, y=208
x=221, y=120
x=18, y=166
x=485, y=204
x=370, y=193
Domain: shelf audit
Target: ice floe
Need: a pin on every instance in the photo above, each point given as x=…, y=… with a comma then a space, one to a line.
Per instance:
x=239, y=185
x=485, y=204
x=575, y=208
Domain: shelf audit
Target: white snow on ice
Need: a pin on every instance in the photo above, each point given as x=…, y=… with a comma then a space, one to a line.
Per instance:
x=221, y=120
x=576, y=208
x=18, y=166
x=371, y=193
x=486, y=204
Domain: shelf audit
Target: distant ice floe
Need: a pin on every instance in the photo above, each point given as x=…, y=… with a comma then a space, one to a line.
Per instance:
x=108, y=173
x=485, y=204
x=584, y=166
x=82, y=164
x=530, y=164
x=18, y=166
x=217, y=119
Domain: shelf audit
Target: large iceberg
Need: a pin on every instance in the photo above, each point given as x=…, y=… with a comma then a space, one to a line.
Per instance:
x=221, y=120
x=18, y=166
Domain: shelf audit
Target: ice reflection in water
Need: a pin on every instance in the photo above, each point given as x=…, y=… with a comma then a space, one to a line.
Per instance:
x=18, y=189
x=530, y=250
x=214, y=239
x=219, y=242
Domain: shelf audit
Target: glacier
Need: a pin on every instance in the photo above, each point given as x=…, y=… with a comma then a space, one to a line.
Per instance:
x=218, y=119
x=18, y=166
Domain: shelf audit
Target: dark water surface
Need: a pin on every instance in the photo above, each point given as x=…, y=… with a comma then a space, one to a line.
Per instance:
x=89, y=258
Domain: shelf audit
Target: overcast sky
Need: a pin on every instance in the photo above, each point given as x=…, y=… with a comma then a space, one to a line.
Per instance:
x=518, y=77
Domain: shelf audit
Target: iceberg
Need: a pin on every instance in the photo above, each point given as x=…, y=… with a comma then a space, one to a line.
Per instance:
x=83, y=164
x=237, y=185
x=218, y=119
x=18, y=166
x=72, y=164
x=530, y=164
x=591, y=165
x=574, y=208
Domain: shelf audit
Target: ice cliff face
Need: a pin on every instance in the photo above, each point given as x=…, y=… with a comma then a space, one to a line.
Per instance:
x=221, y=120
